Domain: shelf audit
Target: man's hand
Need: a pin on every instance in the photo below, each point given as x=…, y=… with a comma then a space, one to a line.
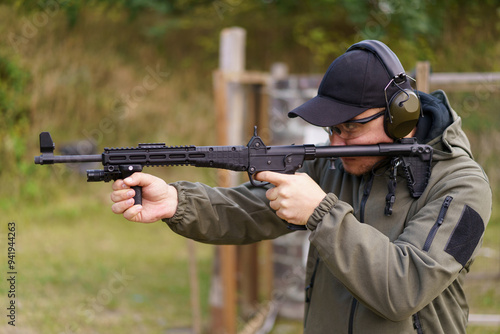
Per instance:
x=159, y=200
x=294, y=197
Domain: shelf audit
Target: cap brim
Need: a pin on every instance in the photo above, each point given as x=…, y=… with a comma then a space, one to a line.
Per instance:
x=324, y=111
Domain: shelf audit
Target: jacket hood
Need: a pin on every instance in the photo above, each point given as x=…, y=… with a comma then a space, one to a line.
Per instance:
x=441, y=127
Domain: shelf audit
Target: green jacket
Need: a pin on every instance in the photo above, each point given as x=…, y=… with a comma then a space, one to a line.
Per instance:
x=368, y=272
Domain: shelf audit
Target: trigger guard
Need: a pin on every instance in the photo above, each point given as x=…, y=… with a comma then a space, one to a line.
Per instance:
x=256, y=183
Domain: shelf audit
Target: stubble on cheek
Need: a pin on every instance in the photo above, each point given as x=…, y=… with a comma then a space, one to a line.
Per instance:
x=360, y=165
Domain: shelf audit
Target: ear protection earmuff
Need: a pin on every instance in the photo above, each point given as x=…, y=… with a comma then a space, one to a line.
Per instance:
x=403, y=107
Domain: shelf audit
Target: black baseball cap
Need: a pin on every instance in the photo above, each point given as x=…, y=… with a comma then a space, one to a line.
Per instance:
x=353, y=83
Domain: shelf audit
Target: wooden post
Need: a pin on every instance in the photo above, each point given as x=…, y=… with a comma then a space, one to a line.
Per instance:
x=229, y=101
x=247, y=279
x=240, y=104
x=264, y=275
x=423, y=70
x=194, y=287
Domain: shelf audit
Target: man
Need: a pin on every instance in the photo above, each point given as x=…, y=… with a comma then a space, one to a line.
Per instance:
x=384, y=256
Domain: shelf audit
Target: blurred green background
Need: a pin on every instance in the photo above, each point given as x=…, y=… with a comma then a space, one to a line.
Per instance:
x=75, y=68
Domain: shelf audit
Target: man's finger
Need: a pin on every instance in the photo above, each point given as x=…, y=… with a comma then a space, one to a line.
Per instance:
x=272, y=194
x=121, y=207
x=118, y=185
x=122, y=194
x=271, y=177
x=133, y=180
x=139, y=179
x=132, y=213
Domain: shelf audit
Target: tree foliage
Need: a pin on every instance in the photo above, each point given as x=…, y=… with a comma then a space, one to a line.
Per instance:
x=322, y=27
x=14, y=112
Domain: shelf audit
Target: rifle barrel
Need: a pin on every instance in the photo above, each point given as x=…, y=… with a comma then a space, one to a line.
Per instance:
x=370, y=150
x=49, y=159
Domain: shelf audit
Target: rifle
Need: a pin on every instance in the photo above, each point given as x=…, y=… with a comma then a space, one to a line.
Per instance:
x=119, y=163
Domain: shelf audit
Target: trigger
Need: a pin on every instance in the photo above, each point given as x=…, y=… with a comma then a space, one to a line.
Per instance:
x=256, y=183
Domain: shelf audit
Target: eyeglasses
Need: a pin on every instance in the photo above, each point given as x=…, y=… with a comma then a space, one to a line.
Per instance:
x=354, y=128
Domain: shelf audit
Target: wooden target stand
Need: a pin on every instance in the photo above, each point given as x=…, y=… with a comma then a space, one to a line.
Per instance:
x=243, y=274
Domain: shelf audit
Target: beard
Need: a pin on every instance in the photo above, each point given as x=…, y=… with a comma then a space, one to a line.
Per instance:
x=360, y=165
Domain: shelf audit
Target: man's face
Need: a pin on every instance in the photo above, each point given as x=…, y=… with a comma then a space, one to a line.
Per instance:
x=372, y=132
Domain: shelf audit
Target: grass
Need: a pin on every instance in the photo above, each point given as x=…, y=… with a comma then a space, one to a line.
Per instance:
x=84, y=269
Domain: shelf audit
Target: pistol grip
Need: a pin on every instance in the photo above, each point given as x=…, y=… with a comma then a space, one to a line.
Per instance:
x=128, y=170
x=138, y=195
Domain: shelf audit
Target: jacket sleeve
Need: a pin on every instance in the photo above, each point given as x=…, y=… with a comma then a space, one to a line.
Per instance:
x=238, y=215
x=397, y=278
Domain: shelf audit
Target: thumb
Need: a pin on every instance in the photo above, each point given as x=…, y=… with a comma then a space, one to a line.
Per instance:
x=139, y=179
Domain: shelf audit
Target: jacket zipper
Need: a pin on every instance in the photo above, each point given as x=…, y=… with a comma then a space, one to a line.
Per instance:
x=311, y=283
x=416, y=324
x=438, y=223
x=351, y=316
x=309, y=288
x=366, y=193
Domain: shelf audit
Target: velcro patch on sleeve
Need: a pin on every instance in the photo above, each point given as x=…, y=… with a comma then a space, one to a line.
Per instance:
x=466, y=235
